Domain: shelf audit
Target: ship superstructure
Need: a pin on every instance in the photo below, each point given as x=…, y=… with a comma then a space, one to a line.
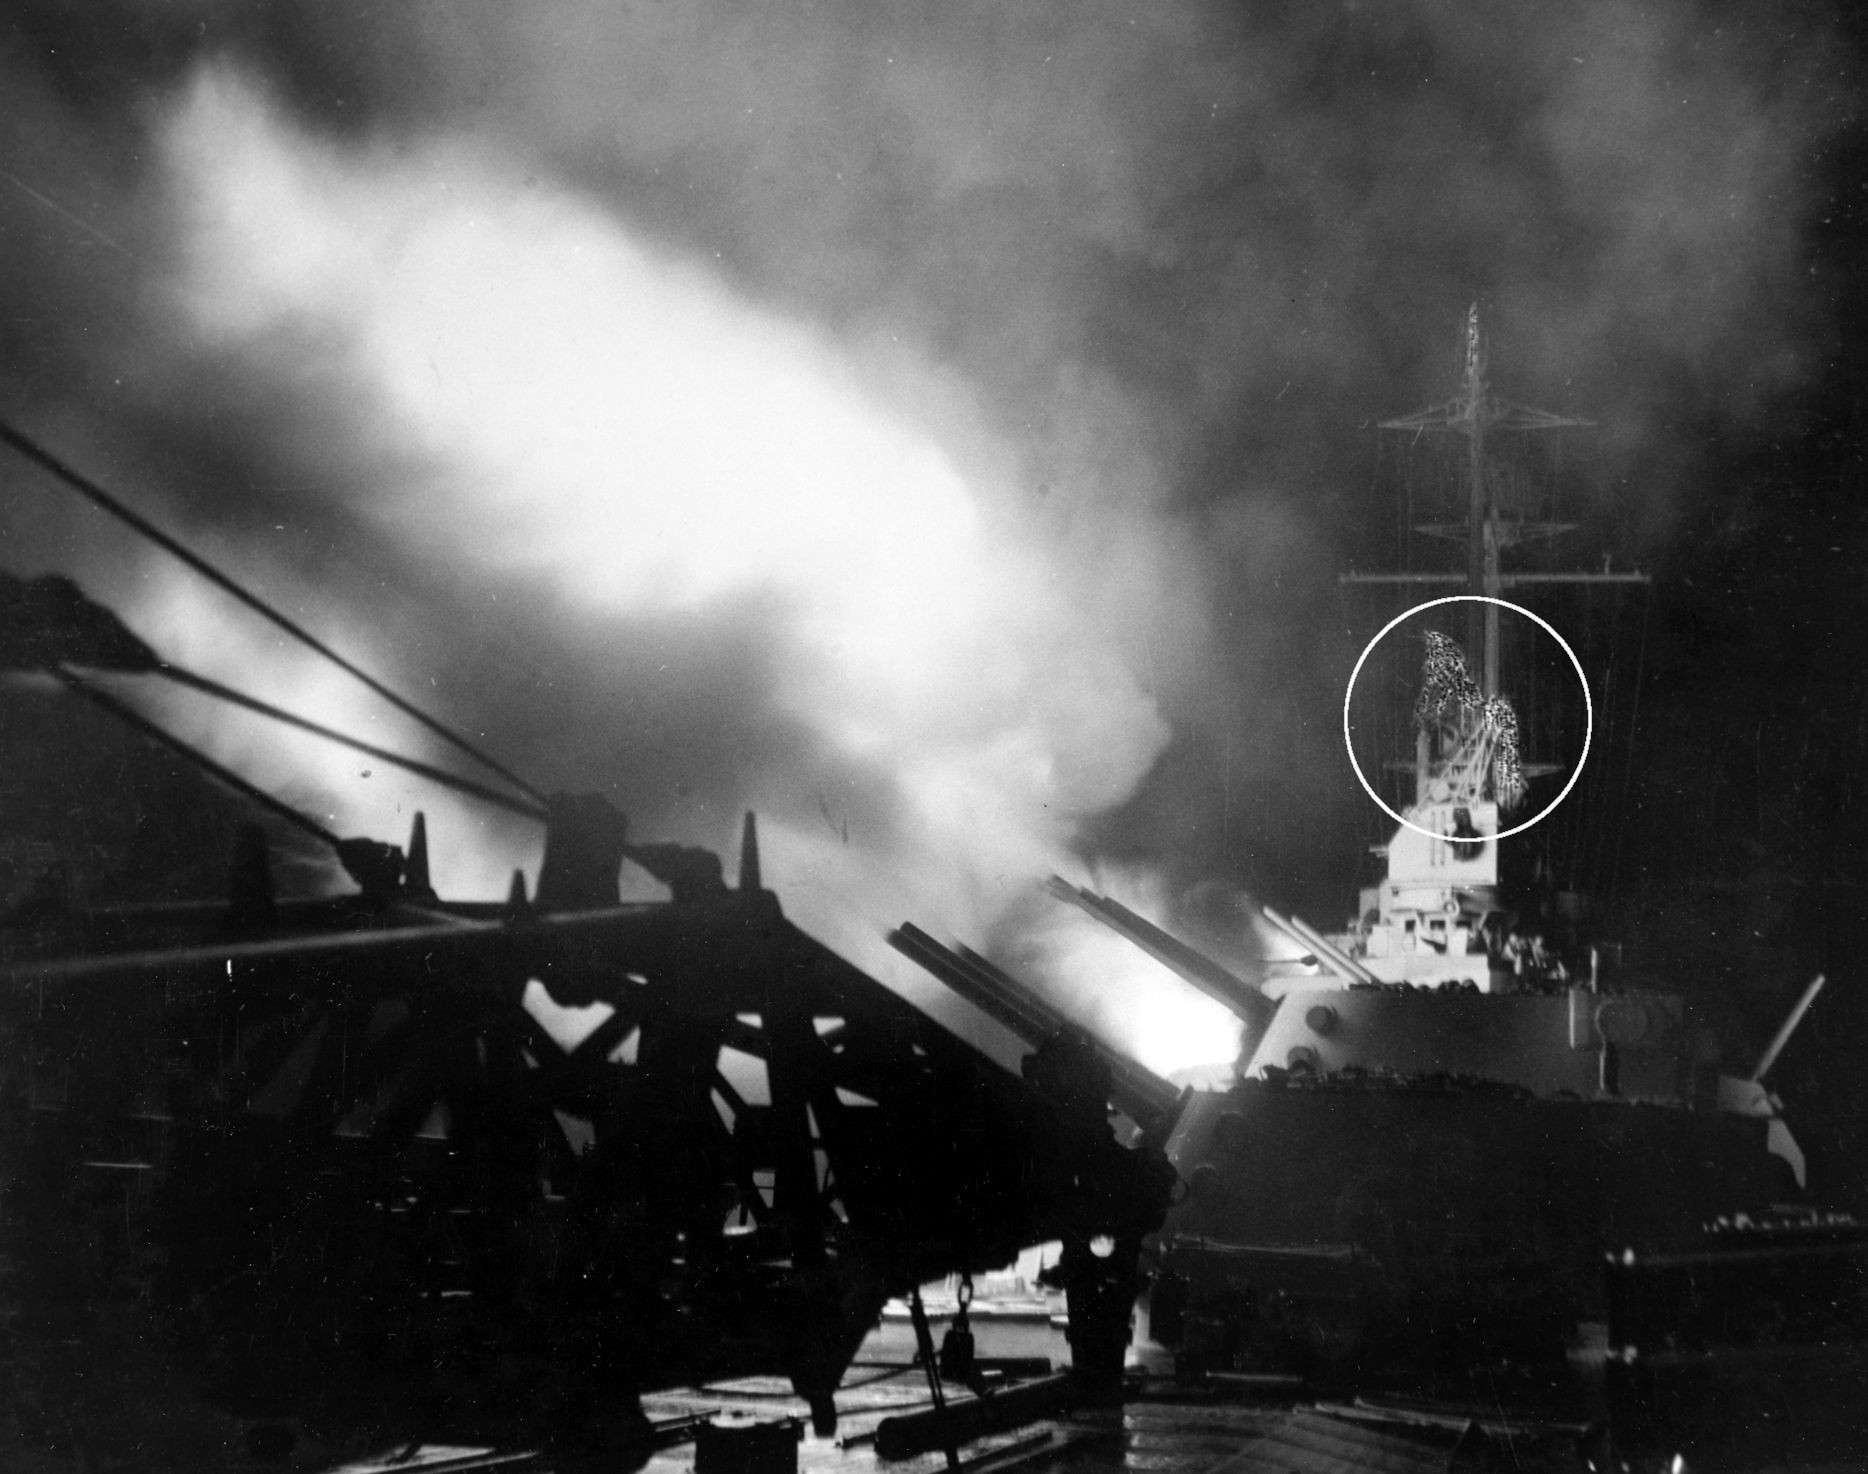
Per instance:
x=1424, y=923
x=1433, y=973
x=1440, y=1119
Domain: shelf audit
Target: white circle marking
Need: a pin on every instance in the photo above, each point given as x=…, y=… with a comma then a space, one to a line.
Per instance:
x=1589, y=708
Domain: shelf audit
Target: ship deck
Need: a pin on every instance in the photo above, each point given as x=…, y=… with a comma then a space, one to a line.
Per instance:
x=1235, y=1425
x=1161, y=1430
x=119, y=1404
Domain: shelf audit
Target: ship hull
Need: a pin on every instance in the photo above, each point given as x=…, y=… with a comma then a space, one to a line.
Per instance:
x=1341, y=1228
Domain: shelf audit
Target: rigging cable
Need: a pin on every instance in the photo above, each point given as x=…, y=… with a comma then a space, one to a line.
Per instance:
x=94, y=493
x=1615, y=866
x=1605, y=808
x=1595, y=800
x=265, y=708
x=1599, y=810
x=129, y=714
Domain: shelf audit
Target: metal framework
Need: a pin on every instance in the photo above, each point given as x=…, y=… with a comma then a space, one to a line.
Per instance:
x=519, y=1162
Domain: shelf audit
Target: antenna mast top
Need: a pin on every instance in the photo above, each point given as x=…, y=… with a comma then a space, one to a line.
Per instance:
x=1472, y=412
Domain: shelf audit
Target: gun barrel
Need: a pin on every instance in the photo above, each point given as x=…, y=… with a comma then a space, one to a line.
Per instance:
x=1140, y=1086
x=1251, y=1006
x=1308, y=936
x=1135, y=1090
x=1788, y=1027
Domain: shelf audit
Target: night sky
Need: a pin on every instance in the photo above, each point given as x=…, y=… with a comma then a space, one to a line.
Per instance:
x=941, y=429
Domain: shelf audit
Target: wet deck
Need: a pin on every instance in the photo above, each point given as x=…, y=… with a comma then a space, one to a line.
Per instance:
x=1163, y=1428
x=132, y=1414
x=1234, y=1427
x=1146, y=1436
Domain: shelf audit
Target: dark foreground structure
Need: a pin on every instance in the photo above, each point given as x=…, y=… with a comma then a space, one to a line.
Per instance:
x=509, y=1166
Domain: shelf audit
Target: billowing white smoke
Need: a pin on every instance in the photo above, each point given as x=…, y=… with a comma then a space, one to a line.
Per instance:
x=537, y=392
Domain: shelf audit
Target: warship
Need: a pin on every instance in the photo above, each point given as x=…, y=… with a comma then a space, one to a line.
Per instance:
x=1456, y=1151
x=292, y=1174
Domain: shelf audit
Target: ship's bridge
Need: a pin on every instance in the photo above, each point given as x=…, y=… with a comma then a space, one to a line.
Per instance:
x=1425, y=923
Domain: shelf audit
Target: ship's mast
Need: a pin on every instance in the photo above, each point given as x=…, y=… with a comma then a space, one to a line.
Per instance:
x=1481, y=550
x=1486, y=533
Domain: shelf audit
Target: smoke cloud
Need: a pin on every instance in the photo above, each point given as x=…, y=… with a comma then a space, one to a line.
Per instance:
x=935, y=429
